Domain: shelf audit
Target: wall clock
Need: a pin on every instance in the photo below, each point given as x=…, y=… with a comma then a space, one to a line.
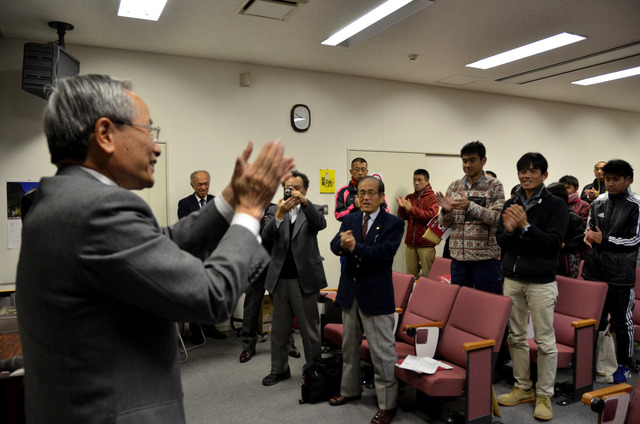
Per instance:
x=300, y=117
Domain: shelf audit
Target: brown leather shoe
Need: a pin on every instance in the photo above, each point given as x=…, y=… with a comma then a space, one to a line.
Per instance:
x=341, y=400
x=384, y=416
x=294, y=352
x=246, y=356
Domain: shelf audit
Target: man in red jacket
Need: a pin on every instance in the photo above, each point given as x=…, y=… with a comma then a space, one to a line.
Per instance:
x=418, y=208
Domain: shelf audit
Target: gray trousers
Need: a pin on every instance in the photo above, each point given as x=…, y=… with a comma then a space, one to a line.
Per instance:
x=289, y=302
x=379, y=331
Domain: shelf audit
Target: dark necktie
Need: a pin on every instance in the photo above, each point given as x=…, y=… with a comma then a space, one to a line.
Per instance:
x=365, y=226
x=202, y=203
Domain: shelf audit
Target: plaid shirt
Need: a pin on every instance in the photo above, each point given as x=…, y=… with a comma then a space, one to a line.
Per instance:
x=473, y=232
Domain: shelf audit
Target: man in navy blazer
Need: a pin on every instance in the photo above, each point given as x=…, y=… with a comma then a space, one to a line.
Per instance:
x=101, y=285
x=200, y=183
x=368, y=240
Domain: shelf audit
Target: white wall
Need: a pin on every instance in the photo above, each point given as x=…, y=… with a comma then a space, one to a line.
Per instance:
x=206, y=119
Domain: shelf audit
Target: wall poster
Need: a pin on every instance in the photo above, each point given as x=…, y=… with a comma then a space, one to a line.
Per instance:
x=19, y=199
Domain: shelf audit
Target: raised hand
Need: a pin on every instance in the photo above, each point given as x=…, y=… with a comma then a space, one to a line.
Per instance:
x=347, y=240
x=445, y=201
x=284, y=206
x=404, y=203
x=591, y=236
x=253, y=184
x=513, y=217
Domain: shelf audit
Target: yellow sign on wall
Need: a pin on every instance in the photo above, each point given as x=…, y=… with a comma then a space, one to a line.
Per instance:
x=327, y=181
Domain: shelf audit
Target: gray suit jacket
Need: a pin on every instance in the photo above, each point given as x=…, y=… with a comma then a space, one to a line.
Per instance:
x=304, y=243
x=100, y=286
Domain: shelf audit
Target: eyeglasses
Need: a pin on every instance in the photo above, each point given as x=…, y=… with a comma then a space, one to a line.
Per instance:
x=359, y=170
x=370, y=193
x=154, y=132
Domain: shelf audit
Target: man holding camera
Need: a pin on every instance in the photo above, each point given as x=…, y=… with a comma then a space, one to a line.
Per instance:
x=295, y=275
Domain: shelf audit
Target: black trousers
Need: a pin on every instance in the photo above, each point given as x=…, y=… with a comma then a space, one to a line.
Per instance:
x=619, y=305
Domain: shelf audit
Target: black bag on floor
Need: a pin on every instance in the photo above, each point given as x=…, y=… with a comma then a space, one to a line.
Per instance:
x=321, y=379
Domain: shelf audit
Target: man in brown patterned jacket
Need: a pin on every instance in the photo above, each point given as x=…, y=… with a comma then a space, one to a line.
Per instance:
x=471, y=208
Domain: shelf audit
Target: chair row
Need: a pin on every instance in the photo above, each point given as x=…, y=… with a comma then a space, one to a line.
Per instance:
x=470, y=322
x=576, y=316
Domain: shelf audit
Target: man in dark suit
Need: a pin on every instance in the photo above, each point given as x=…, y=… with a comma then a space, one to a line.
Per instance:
x=295, y=275
x=101, y=284
x=200, y=183
x=368, y=240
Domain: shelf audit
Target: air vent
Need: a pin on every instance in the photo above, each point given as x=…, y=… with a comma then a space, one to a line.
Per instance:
x=273, y=9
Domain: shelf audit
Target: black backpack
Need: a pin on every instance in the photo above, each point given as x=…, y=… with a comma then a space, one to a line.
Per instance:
x=321, y=379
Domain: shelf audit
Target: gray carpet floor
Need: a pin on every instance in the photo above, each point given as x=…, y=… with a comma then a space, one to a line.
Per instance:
x=219, y=389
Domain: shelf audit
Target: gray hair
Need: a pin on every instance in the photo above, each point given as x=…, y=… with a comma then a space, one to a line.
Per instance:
x=193, y=175
x=75, y=105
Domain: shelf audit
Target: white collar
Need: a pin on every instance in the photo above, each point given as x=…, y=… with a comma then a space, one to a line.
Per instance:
x=373, y=215
x=100, y=177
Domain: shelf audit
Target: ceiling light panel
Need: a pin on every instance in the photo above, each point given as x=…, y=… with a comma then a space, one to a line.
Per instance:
x=380, y=18
x=625, y=73
x=625, y=56
x=537, y=47
x=149, y=10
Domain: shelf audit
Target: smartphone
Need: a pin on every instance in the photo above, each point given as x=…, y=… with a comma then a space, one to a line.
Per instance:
x=287, y=193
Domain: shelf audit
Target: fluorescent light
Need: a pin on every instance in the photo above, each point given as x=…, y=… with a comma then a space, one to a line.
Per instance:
x=149, y=10
x=374, y=21
x=625, y=73
x=531, y=49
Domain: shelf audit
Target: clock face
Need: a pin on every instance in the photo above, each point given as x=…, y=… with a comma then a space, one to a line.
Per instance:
x=300, y=118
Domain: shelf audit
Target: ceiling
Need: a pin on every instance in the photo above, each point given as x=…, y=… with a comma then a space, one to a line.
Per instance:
x=445, y=36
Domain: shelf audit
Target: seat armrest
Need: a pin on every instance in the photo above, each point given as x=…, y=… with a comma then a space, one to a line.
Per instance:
x=399, y=311
x=583, y=323
x=606, y=392
x=425, y=324
x=478, y=345
x=328, y=294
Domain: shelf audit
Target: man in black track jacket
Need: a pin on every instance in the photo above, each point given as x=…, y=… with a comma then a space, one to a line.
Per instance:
x=613, y=234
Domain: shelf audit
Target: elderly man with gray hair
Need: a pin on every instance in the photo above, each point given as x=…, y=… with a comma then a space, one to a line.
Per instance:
x=100, y=284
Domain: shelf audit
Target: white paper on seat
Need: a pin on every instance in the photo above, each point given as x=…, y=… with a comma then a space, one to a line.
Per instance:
x=422, y=365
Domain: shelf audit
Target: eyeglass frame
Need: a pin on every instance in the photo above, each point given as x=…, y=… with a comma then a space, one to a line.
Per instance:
x=151, y=129
x=370, y=193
